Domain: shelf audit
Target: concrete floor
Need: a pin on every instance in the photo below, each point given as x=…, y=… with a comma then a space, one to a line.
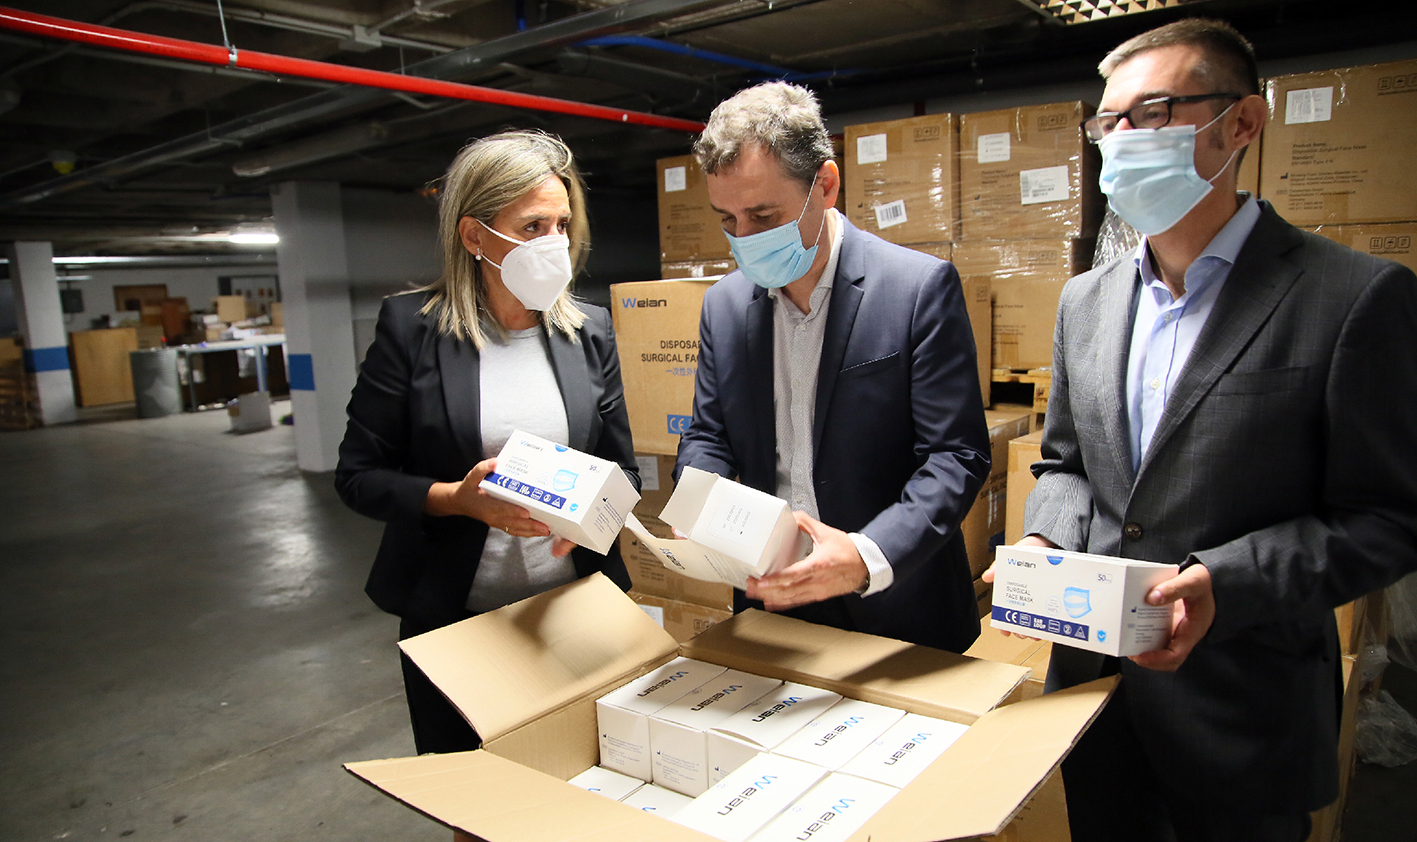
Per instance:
x=189, y=652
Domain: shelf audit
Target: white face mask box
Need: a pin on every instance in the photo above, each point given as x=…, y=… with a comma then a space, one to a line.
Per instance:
x=657, y=800
x=830, y=812
x=622, y=715
x=904, y=750
x=763, y=725
x=733, y=531
x=677, y=735
x=1086, y=601
x=606, y=782
x=751, y=796
x=583, y=498
x=840, y=734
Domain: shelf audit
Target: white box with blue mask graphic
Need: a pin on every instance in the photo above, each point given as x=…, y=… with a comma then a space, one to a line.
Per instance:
x=583, y=498
x=1086, y=601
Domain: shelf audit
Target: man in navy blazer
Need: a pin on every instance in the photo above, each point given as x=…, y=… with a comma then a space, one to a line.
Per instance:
x=836, y=371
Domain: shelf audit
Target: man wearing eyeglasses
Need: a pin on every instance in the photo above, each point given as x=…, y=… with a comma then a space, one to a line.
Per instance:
x=1230, y=398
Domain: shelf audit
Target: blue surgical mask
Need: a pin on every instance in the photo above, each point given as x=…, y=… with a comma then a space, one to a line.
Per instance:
x=776, y=257
x=1149, y=175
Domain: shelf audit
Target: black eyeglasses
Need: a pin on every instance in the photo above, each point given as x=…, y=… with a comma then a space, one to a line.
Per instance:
x=1152, y=114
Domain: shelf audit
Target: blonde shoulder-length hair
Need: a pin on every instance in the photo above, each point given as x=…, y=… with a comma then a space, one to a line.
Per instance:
x=488, y=175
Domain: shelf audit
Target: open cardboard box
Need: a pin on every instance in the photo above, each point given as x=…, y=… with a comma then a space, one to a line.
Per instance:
x=527, y=677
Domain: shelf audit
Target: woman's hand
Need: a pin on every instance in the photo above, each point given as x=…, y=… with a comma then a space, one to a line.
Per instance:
x=467, y=499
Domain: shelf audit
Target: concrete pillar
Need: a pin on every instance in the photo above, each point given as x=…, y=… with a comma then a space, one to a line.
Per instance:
x=41, y=322
x=319, y=323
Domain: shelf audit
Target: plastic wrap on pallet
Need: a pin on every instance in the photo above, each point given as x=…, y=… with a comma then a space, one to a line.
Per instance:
x=1338, y=145
x=902, y=178
x=1114, y=239
x=1028, y=173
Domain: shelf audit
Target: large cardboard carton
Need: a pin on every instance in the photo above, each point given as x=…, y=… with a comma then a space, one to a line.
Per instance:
x=1023, y=452
x=1392, y=241
x=681, y=619
x=1026, y=278
x=526, y=676
x=1338, y=145
x=657, y=333
x=581, y=497
x=1248, y=179
x=902, y=178
x=707, y=268
x=983, y=527
x=1028, y=652
x=689, y=230
x=979, y=306
x=1086, y=601
x=1028, y=173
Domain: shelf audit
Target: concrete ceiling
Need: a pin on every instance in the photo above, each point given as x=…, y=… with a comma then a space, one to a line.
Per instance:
x=163, y=149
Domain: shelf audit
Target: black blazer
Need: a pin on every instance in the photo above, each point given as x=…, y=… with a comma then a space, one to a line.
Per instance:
x=900, y=447
x=414, y=420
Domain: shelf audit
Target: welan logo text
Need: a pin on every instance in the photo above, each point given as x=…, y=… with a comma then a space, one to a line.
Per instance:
x=635, y=303
x=662, y=684
x=742, y=798
x=722, y=694
x=821, y=821
x=838, y=730
x=778, y=708
x=910, y=746
x=1018, y=562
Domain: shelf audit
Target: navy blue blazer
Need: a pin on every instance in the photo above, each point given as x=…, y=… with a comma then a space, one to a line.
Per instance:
x=414, y=420
x=900, y=447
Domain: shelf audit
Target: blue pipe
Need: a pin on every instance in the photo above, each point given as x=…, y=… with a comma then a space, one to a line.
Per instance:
x=772, y=71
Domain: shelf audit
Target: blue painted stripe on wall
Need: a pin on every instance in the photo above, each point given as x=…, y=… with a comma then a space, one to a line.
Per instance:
x=46, y=359
x=300, y=370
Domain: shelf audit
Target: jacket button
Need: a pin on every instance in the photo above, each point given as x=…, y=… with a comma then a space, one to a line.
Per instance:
x=1132, y=531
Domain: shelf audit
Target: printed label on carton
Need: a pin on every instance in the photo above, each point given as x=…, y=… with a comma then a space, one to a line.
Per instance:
x=994, y=148
x=1045, y=184
x=835, y=737
x=649, y=472
x=1309, y=105
x=830, y=812
x=1086, y=601
x=891, y=213
x=871, y=149
x=676, y=179
x=903, y=751
x=753, y=795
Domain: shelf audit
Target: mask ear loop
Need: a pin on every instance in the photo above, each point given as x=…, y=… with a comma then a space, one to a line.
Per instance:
x=479, y=255
x=1228, y=161
x=821, y=227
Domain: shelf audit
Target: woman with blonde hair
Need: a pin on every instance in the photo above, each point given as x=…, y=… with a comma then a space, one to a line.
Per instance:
x=496, y=344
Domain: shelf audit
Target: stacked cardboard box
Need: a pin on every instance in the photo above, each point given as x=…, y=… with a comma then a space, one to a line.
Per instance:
x=657, y=331
x=983, y=527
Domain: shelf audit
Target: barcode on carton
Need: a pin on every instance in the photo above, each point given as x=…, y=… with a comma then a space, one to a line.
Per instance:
x=891, y=213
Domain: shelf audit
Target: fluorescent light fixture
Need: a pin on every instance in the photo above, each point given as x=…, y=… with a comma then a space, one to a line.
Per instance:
x=253, y=238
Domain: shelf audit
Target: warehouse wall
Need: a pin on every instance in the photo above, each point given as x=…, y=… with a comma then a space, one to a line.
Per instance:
x=199, y=285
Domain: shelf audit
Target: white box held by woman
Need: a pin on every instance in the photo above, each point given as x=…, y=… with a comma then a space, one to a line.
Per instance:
x=1082, y=600
x=583, y=498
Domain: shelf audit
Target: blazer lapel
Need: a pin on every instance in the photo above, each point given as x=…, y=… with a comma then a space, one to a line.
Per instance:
x=1119, y=293
x=845, y=301
x=568, y=361
x=1257, y=283
x=760, y=376
x=462, y=394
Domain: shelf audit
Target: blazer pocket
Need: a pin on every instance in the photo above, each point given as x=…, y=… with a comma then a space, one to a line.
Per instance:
x=1261, y=382
x=870, y=366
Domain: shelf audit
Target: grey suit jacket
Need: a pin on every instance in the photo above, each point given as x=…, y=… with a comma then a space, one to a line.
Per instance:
x=1283, y=461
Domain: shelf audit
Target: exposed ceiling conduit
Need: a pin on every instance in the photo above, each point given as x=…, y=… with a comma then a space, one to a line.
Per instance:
x=121, y=39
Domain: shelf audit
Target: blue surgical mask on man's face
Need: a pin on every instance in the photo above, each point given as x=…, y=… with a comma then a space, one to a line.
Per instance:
x=1149, y=175
x=776, y=257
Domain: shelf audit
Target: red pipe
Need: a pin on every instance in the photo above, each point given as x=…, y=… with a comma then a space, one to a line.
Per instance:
x=137, y=42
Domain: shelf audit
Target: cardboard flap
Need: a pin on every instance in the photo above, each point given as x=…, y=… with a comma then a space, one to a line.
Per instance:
x=507, y=667
x=977, y=786
x=502, y=801
x=862, y=666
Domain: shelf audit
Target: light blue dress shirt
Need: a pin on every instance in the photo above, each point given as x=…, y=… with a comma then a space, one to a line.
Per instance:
x=1164, y=330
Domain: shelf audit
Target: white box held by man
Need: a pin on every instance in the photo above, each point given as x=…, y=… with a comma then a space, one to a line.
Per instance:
x=1082, y=600
x=622, y=715
x=904, y=750
x=607, y=782
x=677, y=737
x=657, y=800
x=733, y=531
x=750, y=797
x=830, y=812
x=840, y=734
x=583, y=498
x=763, y=725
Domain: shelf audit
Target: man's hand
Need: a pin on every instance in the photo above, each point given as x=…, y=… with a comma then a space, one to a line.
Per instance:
x=833, y=568
x=988, y=575
x=1191, y=592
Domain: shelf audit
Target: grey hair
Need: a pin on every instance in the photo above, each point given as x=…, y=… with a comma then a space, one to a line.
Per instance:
x=782, y=118
x=487, y=176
